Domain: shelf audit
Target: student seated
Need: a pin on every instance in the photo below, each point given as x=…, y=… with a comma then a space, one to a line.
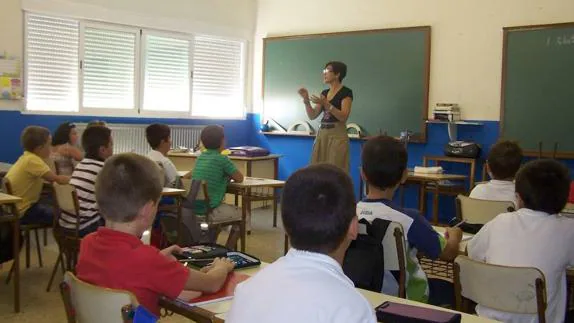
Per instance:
x=28, y=174
x=64, y=153
x=533, y=236
x=159, y=138
x=308, y=284
x=384, y=168
x=503, y=162
x=216, y=170
x=98, y=145
x=128, y=189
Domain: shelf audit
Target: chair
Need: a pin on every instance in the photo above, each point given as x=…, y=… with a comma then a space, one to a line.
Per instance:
x=520, y=290
x=396, y=254
x=65, y=199
x=451, y=188
x=26, y=228
x=197, y=190
x=88, y=303
x=477, y=211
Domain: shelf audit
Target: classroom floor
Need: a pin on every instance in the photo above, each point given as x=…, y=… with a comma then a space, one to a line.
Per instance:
x=37, y=305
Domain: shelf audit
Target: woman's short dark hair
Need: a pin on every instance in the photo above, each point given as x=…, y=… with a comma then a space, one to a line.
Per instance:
x=62, y=134
x=384, y=160
x=338, y=68
x=211, y=136
x=543, y=185
x=317, y=207
x=156, y=133
x=93, y=138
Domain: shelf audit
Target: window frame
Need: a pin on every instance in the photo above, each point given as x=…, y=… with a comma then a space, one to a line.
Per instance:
x=139, y=71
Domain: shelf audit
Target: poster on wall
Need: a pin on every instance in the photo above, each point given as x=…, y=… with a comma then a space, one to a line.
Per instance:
x=10, y=79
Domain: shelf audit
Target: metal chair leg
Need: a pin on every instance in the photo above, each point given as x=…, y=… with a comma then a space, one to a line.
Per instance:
x=58, y=261
x=10, y=274
x=27, y=242
x=45, y=237
x=38, y=249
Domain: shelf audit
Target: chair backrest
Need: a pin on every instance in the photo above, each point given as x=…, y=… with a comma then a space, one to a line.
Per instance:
x=480, y=211
x=87, y=303
x=196, y=191
x=519, y=290
x=437, y=160
x=7, y=188
x=395, y=252
x=66, y=200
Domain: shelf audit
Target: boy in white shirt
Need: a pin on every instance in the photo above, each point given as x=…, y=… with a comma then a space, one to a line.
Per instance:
x=503, y=162
x=308, y=284
x=533, y=236
x=159, y=138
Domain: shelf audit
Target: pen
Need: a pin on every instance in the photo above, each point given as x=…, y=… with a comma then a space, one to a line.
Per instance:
x=459, y=224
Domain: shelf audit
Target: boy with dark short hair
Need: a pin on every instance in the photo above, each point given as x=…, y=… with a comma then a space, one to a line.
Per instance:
x=535, y=235
x=384, y=168
x=159, y=138
x=308, y=284
x=128, y=190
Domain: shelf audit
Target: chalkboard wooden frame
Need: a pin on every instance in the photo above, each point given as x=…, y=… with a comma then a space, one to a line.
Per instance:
x=506, y=32
x=426, y=29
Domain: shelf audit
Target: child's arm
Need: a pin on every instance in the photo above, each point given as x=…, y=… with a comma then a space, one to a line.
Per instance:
x=453, y=237
x=237, y=176
x=74, y=152
x=213, y=279
x=52, y=177
x=232, y=171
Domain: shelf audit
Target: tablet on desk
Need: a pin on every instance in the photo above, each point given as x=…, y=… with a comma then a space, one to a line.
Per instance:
x=240, y=259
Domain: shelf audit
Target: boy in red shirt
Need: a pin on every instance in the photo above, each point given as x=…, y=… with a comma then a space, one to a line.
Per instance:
x=128, y=190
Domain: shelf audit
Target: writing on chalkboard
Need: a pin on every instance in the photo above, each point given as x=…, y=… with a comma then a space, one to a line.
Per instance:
x=560, y=40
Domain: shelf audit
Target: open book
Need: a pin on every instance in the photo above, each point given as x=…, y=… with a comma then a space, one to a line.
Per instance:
x=225, y=293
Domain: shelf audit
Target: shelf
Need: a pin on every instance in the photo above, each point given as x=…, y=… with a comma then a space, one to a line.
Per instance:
x=461, y=122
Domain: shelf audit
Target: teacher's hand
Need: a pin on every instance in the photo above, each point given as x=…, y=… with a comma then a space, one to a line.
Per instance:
x=320, y=100
x=304, y=93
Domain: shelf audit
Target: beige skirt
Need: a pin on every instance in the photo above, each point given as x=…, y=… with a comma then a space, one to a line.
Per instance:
x=332, y=146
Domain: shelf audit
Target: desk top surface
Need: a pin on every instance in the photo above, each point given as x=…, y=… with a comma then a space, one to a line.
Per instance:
x=250, y=182
x=435, y=177
x=5, y=198
x=195, y=155
x=221, y=308
x=168, y=191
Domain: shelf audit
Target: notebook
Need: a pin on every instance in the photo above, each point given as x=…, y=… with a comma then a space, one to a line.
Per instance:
x=225, y=293
x=465, y=236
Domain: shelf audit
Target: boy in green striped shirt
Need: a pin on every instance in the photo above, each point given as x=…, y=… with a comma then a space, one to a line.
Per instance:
x=216, y=170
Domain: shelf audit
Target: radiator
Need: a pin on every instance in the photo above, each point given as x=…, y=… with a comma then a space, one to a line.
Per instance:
x=131, y=137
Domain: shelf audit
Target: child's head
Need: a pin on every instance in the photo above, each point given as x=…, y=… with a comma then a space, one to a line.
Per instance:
x=65, y=134
x=97, y=142
x=37, y=140
x=128, y=189
x=96, y=123
x=504, y=160
x=543, y=185
x=384, y=162
x=318, y=209
x=213, y=137
x=158, y=136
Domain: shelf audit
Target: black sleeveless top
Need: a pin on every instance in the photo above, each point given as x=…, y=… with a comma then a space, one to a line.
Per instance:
x=336, y=102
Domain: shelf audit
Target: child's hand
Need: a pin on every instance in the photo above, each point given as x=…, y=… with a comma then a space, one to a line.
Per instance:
x=169, y=251
x=224, y=263
x=453, y=233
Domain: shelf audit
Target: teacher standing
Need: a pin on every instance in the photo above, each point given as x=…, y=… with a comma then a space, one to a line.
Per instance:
x=332, y=142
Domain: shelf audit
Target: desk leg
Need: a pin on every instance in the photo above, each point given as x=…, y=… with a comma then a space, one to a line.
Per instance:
x=178, y=206
x=16, y=272
x=286, y=246
x=243, y=218
x=422, y=197
x=274, y=207
x=435, y=205
x=402, y=194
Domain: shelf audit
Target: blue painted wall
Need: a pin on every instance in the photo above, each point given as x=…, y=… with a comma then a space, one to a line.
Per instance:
x=237, y=132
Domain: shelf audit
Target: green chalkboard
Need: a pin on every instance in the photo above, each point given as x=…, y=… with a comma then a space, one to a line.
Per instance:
x=537, y=103
x=387, y=69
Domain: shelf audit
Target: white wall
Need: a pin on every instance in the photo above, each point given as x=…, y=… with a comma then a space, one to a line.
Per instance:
x=466, y=55
x=228, y=18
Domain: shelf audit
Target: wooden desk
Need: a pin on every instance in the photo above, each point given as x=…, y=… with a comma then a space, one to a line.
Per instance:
x=4, y=168
x=178, y=195
x=184, y=173
x=264, y=167
x=245, y=190
x=13, y=218
x=212, y=312
x=423, y=180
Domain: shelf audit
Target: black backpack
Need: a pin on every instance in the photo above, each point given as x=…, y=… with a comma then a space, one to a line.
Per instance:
x=364, y=261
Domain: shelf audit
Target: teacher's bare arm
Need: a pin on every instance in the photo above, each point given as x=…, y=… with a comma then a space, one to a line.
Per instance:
x=343, y=114
x=312, y=111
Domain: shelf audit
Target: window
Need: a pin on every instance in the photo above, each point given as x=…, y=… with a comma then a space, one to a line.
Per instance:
x=217, y=77
x=108, y=68
x=51, y=64
x=97, y=68
x=166, y=74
